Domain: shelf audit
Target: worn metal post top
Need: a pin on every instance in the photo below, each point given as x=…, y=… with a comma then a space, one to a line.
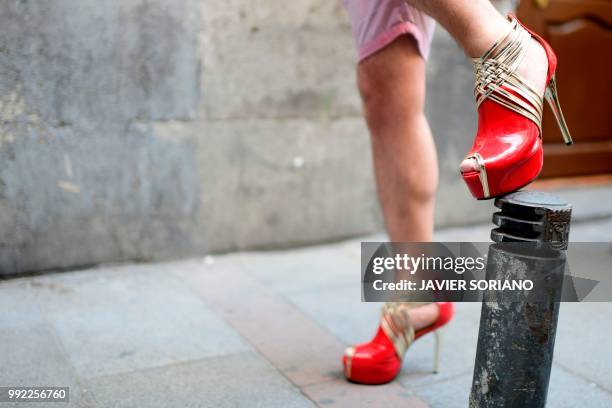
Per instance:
x=535, y=200
x=532, y=216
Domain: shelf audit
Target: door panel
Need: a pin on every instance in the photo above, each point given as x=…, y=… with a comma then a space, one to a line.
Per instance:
x=581, y=35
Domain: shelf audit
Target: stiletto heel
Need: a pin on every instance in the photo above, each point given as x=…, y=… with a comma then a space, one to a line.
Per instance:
x=507, y=149
x=380, y=360
x=552, y=98
x=437, y=348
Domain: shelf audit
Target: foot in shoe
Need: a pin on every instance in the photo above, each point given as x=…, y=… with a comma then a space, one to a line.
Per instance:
x=533, y=69
x=510, y=79
x=380, y=360
x=423, y=316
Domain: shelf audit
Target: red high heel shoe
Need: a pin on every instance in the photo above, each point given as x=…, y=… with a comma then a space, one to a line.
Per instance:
x=380, y=360
x=508, y=145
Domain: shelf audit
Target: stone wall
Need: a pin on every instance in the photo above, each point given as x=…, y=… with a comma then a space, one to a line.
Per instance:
x=155, y=129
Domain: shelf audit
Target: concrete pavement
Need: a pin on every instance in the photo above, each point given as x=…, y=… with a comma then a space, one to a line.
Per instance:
x=256, y=329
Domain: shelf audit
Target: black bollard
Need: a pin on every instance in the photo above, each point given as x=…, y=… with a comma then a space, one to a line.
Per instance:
x=517, y=332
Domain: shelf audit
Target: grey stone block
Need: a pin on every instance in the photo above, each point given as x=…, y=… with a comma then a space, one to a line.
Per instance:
x=131, y=318
x=220, y=15
x=278, y=66
x=282, y=183
x=237, y=380
x=77, y=202
x=102, y=63
x=147, y=130
x=83, y=179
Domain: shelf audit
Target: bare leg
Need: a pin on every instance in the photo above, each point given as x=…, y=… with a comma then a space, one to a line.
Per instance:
x=392, y=86
x=476, y=25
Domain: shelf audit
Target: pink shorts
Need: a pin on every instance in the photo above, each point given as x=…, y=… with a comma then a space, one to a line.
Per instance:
x=376, y=23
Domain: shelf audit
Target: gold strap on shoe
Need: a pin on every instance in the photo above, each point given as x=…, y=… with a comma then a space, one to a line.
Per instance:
x=395, y=322
x=497, y=79
x=482, y=174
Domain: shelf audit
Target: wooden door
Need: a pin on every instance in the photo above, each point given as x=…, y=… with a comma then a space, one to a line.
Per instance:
x=580, y=32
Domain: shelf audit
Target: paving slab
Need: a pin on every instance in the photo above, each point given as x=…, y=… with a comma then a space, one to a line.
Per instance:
x=235, y=380
x=453, y=392
x=307, y=269
x=130, y=318
x=30, y=353
x=306, y=353
x=340, y=311
x=459, y=339
x=278, y=330
x=567, y=390
x=584, y=229
x=340, y=393
x=19, y=303
x=599, y=230
x=581, y=346
x=31, y=357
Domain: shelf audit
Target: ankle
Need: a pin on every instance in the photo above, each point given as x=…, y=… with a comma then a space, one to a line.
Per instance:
x=534, y=67
x=485, y=35
x=423, y=316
